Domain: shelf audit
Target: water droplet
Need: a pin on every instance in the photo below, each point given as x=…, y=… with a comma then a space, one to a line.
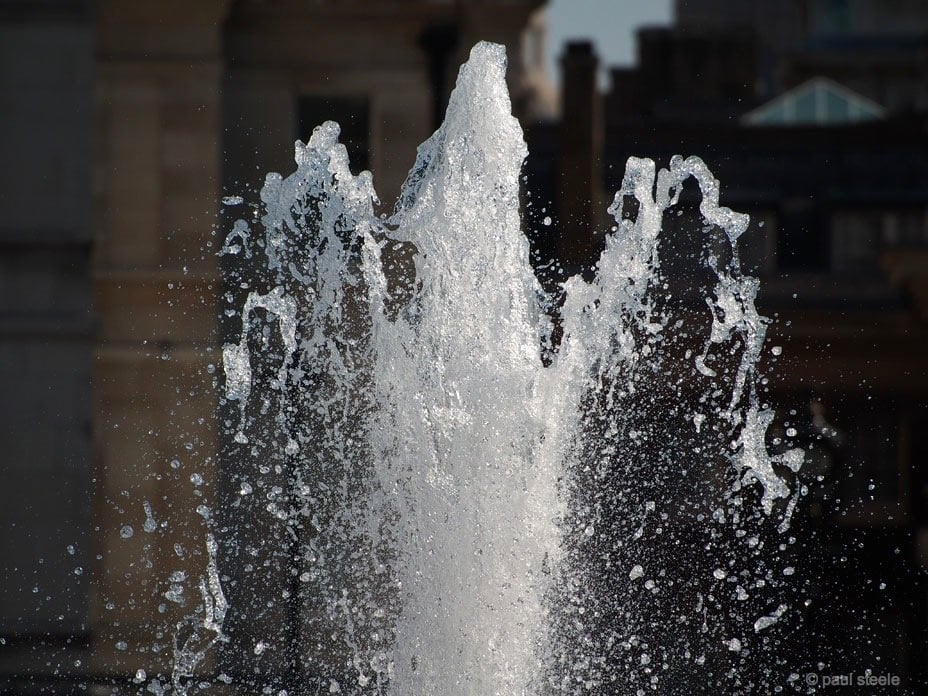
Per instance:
x=126, y=532
x=149, y=525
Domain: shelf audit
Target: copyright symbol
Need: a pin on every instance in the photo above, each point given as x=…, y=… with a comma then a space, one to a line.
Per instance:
x=811, y=679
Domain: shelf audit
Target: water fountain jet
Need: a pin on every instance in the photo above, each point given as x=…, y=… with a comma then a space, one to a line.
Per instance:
x=456, y=510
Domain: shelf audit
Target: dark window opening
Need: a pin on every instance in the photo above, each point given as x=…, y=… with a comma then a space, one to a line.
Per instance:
x=803, y=244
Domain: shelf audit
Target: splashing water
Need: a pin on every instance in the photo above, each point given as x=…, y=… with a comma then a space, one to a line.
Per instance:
x=457, y=512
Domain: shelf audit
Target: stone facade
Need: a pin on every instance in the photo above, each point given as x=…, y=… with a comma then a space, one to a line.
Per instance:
x=46, y=328
x=157, y=175
x=112, y=283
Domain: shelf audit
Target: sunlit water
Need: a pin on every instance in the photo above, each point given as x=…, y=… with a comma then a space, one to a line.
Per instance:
x=469, y=518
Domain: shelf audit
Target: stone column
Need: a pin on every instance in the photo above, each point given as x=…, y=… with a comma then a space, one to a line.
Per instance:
x=155, y=280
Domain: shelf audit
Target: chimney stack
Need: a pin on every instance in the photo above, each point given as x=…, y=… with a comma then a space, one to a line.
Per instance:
x=580, y=196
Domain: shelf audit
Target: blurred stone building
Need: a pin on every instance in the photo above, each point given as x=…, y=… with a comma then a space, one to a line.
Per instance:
x=122, y=126
x=46, y=334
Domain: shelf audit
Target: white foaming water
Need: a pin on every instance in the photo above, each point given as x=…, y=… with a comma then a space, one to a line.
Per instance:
x=458, y=433
x=432, y=451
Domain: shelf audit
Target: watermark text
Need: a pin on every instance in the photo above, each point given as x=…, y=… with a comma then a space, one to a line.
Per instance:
x=866, y=678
